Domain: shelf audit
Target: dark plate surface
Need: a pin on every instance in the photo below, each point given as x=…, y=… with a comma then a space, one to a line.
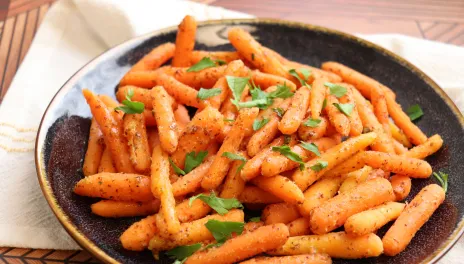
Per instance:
x=62, y=138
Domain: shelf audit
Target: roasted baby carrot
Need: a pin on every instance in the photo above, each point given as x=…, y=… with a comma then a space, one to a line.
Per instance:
x=412, y=167
x=352, y=179
x=234, y=184
x=116, y=209
x=311, y=131
x=279, y=213
x=338, y=119
x=235, y=68
x=165, y=121
x=414, y=216
x=266, y=80
x=182, y=93
x=137, y=140
x=295, y=112
x=95, y=147
x=356, y=126
x=255, y=195
x=318, y=94
x=299, y=227
x=205, y=78
x=185, y=42
x=138, y=235
x=226, y=56
x=182, y=117
x=191, y=181
x=318, y=193
x=399, y=135
x=281, y=187
x=155, y=58
x=106, y=162
x=401, y=186
x=140, y=95
x=430, y=146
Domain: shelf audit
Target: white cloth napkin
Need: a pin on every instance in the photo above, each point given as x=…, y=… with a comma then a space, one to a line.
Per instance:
x=74, y=32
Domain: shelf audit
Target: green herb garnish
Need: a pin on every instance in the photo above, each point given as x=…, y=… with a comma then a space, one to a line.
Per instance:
x=129, y=106
x=207, y=93
x=220, y=205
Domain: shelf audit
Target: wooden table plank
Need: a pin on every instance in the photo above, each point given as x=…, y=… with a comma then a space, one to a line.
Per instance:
x=29, y=32
x=5, y=44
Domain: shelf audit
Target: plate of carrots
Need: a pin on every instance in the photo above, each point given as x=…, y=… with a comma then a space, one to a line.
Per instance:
x=287, y=144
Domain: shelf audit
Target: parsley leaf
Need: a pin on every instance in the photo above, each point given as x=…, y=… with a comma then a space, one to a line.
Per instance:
x=255, y=219
x=229, y=120
x=129, y=106
x=282, y=91
x=287, y=152
x=237, y=85
x=176, y=169
x=207, y=93
x=336, y=89
x=311, y=147
x=324, y=103
x=258, y=124
x=443, y=179
x=220, y=205
x=192, y=161
x=279, y=111
x=345, y=108
x=414, y=112
x=304, y=72
x=321, y=164
x=234, y=156
x=312, y=122
x=205, y=63
x=181, y=253
x=222, y=231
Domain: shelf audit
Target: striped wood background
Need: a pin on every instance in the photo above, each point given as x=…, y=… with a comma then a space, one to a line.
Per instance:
x=439, y=20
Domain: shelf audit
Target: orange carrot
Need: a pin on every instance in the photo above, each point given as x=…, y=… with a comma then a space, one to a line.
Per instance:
x=432, y=145
x=414, y=216
x=182, y=117
x=116, y=186
x=185, y=41
x=234, y=184
x=112, y=132
x=191, y=181
x=255, y=195
x=281, y=187
x=235, y=68
x=263, y=136
x=266, y=80
x=196, y=79
x=318, y=94
x=244, y=246
x=318, y=193
x=116, y=209
x=164, y=115
x=306, y=132
x=182, y=93
x=298, y=259
x=137, y=236
x=399, y=135
x=401, y=186
x=279, y=213
x=153, y=138
x=155, y=58
x=399, y=148
x=140, y=95
x=296, y=112
x=356, y=126
x=402, y=165
x=106, y=162
x=299, y=227
x=334, y=212
x=316, y=73
x=143, y=79
x=226, y=56
x=94, y=151
x=136, y=135
x=188, y=213
x=149, y=117
x=339, y=120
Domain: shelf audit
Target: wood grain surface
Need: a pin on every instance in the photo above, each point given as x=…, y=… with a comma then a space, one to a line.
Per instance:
x=438, y=20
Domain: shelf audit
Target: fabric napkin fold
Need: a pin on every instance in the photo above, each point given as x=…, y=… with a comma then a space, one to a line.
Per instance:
x=73, y=33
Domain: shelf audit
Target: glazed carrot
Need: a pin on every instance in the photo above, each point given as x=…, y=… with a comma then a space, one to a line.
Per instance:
x=318, y=193
x=263, y=136
x=94, y=152
x=398, y=147
x=106, y=162
x=162, y=189
x=196, y=79
x=253, y=52
x=399, y=135
x=315, y=72
x=298, y=259
x=401, y=186
x=140, y=95
x=414, y=216
x=299, y=227
x=276, y=55
x=235, y=68
x=198, y=134
x=402, y=120
x=142, y=79
x=334, y=212
x=306, y=132
x=149, y=117
x=281, y=187
x=318, y=94
x=182, y=93
x=363, y=83
x=226, y=56
x=371, y=220
x=221, y=164
x=116, y=209
x=432, y=145
x=383, y=142
x=193, y=232
x=234, y=184
x=138, y=235
x=295, y=112
x=185, y=41
x=182, y=117
x=356, y=126
x=115, y=186
x=336, y=245
x=191, y=181
x=155, y=58
x=339, y=120
x=352, y=179
x=188, y=213
x=352, y=164
x=244, y=246
x=333, y=157
x=277, y=163
x=412, y=167
x=137, y=139
x=112, y=132
x=266, y=80
x=153, y=138
x=164, y=115
x=255, y=195
x=380, y=107
x=279, y=213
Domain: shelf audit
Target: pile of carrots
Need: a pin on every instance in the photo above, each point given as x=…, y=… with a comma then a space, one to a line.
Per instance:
x=315, y=149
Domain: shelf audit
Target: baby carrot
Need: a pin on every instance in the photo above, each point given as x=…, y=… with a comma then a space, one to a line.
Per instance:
x=140, y=95
x=116, y=209
x=153, y=138
x=138, y=235
x=266, y=80
x=244, y=246
x=205, y=78
x=356, y=126
x=318, y=94
x=263, y=136
x=414, y=216
x=112, y=132
x=306, y=132
x=334, y=212
x=191, y=181
x=185, y=42
x=299, y=227
x=94, y=152
x=295, y=112
x=255, y=195
x=401, y=186
x=430, y=146
x=234, y=184
x=226, y=56
x=182, y=117
x=155, y=58
x=164, y=115
x=281, y=187
x=339, y=120
x=399, y=135
x=116, y=186
x=279, y=213
x=297, y=259
x=182, y=93
x=352, y=179
x=235, y=68
x=412, y=167
x=106, y=162
x=137, y=139
x=318, y=193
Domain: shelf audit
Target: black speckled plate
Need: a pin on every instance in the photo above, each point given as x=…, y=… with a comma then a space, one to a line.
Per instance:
x=62, y=138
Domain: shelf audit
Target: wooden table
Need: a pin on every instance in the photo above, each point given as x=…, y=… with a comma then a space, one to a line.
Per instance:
x=439, y=20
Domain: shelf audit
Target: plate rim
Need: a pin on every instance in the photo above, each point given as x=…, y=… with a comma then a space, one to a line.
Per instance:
x=96, y=251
